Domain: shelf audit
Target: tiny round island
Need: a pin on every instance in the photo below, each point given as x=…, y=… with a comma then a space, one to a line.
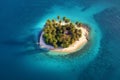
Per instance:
x=62, y=35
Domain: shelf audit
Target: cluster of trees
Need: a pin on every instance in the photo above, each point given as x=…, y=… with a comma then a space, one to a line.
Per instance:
x=59, y=35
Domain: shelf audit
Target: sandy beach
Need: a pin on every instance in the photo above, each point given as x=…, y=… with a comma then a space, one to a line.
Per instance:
x=73, y=47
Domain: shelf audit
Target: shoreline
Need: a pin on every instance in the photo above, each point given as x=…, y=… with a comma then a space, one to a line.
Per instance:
x=77, y=45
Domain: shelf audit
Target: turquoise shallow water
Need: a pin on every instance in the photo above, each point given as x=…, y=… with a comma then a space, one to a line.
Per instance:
x=81, y=58
x=21, y=58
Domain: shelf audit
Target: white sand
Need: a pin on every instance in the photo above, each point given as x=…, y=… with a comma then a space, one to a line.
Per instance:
x=73, y=47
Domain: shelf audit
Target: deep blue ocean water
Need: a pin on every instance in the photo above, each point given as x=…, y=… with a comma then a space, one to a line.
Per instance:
x=21, y=58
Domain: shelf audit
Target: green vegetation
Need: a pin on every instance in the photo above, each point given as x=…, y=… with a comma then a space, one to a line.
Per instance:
x=59, y=35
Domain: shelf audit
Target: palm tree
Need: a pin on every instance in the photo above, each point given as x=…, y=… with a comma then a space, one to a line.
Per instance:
x=64, y=18
x=58, y=17
x=77, y=23
x=48, y=20
x=54, y=33
x=60, y=21
x=67, y=20
x=53, y=21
